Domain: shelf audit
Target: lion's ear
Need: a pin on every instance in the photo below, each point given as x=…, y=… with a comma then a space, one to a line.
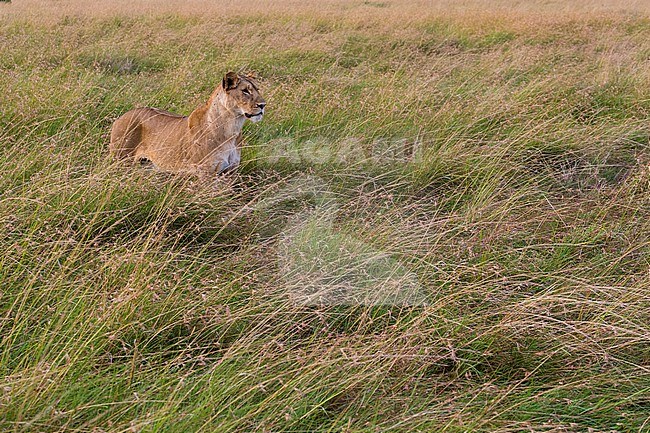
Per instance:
x=230, y=81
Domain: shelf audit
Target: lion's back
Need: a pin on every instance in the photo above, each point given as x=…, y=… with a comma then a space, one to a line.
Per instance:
x=136, y=130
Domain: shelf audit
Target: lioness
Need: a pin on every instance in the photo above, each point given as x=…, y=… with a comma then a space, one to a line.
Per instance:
x=206, y=142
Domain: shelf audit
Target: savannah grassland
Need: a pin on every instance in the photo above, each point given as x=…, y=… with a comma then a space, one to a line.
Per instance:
x=483, y=166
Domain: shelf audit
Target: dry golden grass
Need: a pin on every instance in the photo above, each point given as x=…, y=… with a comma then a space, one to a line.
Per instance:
x=423, y=7
x=486, y=162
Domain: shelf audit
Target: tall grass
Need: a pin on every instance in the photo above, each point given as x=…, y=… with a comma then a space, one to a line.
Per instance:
x=442, y=224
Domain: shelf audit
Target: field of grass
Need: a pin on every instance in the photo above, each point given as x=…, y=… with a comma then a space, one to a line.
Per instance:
x=441, y=225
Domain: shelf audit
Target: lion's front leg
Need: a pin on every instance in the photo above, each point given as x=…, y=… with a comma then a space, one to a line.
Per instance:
x=229, y=161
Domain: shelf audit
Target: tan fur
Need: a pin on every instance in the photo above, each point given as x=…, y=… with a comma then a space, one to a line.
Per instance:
x=206, y=142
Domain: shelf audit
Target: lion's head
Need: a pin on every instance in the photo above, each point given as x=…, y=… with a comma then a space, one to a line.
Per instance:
x=244, y=96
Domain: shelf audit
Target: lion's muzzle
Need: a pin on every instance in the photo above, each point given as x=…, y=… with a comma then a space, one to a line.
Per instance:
x=257, y=115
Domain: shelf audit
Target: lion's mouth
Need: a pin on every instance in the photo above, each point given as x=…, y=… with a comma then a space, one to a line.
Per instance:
x=249, y=115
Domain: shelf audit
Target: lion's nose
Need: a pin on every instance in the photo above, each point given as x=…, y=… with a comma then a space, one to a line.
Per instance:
x=261, y=106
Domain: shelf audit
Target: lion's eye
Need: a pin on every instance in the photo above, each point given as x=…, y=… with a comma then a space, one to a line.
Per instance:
x=246, y=92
